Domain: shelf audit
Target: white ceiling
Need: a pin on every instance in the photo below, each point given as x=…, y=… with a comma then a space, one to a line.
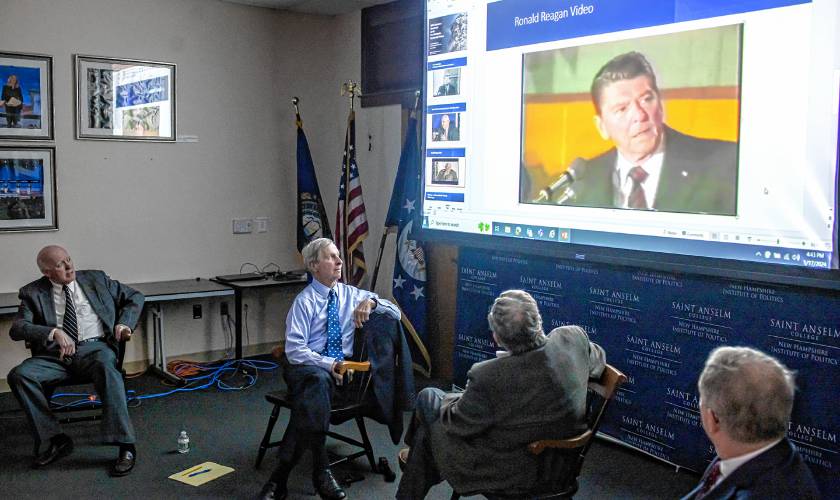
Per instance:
x=323, y=7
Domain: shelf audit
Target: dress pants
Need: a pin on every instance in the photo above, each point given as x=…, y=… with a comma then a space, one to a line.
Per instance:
x=421, y=472
x=94, y=361
x=310, y=391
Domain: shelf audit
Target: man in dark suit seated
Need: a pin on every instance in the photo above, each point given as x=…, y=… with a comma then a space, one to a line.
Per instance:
x=476, y=439
x=746, y=398
x=73, y=322
x=446, y=131
x=652, y=166
x=319, y=335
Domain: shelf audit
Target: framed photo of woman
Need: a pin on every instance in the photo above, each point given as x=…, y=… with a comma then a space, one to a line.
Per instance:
x=26, y=102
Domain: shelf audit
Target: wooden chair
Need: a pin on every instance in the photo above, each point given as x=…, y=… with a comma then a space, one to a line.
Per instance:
x=350, y=401
x=561, y=481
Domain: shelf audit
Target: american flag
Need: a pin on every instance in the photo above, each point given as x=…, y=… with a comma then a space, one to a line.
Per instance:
x=351, y=227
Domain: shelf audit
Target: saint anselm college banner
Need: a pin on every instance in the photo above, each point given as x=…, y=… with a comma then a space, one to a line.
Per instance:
x=658, y=328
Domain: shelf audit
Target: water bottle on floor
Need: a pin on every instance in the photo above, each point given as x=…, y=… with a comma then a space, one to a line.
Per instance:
x=183, y=442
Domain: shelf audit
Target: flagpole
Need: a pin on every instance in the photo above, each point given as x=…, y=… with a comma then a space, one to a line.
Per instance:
x=391, y=229
x=349, y=89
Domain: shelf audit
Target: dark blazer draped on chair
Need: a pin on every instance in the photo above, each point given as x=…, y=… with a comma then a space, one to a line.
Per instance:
x=391, y=372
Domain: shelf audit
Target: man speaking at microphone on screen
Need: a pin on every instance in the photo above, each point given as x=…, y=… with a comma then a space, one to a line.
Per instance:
x=652, y=166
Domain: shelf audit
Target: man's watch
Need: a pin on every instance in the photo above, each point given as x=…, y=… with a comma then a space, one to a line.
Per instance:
x=375, y=303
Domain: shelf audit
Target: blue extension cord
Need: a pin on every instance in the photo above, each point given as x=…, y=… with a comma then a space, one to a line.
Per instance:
x=217, y=369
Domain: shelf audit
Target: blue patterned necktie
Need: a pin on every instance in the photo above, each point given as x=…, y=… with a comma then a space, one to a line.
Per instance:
x=70, y=326
x=333, y=348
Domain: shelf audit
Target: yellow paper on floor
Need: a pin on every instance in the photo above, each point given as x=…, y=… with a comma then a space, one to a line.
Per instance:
x=201, y=473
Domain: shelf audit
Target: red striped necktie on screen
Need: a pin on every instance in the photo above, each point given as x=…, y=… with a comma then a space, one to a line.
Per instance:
x=69, y=324
x=637, y=194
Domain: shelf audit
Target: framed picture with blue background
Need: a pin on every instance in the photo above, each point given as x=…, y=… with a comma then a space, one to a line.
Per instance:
x=27, y=189
x=26, y=103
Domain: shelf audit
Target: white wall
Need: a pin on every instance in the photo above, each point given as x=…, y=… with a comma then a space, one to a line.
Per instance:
x=148, y=212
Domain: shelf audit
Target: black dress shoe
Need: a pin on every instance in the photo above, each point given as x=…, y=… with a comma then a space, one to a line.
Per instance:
x=60, y=446
x=124, y=464
x=327, y=487
x=273, y=491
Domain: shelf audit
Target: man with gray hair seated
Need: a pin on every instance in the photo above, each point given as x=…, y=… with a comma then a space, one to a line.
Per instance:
x=476, y=439
x=746, y=398
x=320, y=330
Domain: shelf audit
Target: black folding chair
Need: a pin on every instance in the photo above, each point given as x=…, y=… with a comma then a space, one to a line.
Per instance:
x=80, y=410
x=92, y=407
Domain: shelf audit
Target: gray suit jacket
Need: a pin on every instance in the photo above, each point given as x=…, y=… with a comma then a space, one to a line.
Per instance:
x=479, y=442
x=698, y=176
x=112, y=301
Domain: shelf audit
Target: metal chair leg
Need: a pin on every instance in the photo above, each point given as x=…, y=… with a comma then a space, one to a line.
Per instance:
x=267, y=438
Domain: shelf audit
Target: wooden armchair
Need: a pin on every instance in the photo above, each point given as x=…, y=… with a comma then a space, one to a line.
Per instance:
x=561, y=482
x=350, y=402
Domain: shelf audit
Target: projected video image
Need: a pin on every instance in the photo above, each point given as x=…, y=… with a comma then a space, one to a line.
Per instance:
x=446, y=127
x=646, y=124
x=448, y=34
x=446, y=82
x=446, y=171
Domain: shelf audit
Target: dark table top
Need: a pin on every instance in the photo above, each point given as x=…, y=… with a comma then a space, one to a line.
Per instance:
x=8, y=303
x=266, y=282
x=159, y=291
x=155, y=291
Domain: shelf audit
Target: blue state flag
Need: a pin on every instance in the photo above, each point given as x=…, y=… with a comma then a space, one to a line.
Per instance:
x=409, y=286
x=311, y=215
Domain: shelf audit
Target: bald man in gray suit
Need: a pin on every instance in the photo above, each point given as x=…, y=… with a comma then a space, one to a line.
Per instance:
x=73, y=322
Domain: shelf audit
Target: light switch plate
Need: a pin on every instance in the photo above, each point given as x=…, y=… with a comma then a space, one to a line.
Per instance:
x=243, y=226
x=261, y=224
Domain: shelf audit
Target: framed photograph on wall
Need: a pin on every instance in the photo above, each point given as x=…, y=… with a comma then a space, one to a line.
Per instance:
x=27, y=188
x=124, y=99
x=26, y=102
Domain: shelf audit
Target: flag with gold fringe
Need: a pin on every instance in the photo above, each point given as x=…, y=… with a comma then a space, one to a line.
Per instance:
x=311, y=215
x=409, y=283
x=351, y=226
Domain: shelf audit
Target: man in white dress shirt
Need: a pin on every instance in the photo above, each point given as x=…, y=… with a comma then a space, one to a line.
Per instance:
x=652, y=166
x=73, y=322
x=320, y=330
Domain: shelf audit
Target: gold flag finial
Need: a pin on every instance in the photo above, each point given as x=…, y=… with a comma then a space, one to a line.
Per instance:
x=295, y=102
x=352, y=90
x=416, y=106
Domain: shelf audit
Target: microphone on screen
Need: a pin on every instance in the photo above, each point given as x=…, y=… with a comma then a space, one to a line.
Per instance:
x=563, y=183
